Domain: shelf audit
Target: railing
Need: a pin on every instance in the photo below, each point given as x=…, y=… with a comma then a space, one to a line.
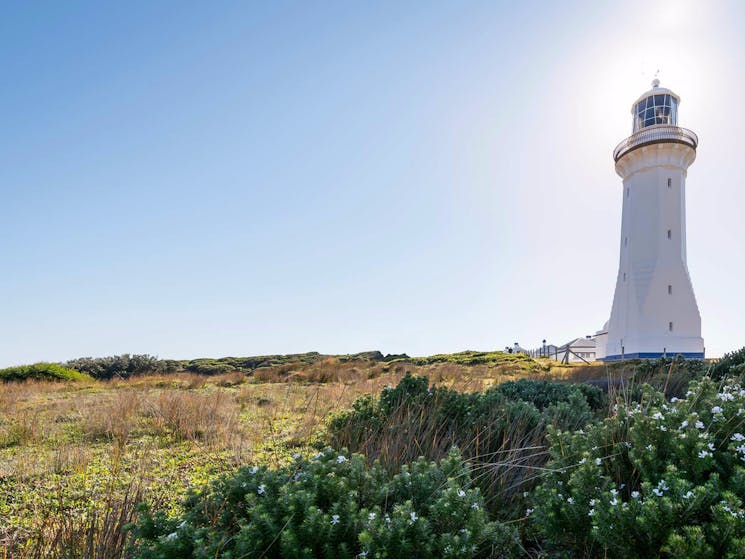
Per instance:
x=655, y=135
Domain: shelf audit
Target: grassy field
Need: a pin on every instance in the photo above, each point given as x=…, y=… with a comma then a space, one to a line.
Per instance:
x=76, y=457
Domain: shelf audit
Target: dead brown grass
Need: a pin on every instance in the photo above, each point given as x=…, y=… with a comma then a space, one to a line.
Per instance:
x=112, y=419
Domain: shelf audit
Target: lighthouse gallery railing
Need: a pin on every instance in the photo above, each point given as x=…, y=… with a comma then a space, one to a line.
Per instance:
x=655, y=135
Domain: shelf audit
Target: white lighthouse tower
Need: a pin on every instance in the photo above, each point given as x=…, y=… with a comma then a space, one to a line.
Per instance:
x=654, y=309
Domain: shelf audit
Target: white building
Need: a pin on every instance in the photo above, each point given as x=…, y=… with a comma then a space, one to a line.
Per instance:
x=579, y=350
x=654, y=309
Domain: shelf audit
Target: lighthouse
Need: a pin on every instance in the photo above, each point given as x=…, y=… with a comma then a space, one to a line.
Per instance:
x=654, y=310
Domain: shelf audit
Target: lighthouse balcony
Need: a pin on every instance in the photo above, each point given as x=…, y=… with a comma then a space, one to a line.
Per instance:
x=661, y=133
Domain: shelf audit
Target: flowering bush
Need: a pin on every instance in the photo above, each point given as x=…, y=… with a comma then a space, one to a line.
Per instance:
x=501, y=430
x=658, y=478
x=333, y=506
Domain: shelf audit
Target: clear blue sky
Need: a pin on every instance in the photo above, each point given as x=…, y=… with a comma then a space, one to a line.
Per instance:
x=234, y=178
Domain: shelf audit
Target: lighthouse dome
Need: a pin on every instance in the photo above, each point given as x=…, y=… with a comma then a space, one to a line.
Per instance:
x=657, y=106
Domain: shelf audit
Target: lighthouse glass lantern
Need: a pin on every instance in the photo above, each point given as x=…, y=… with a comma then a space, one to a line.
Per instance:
x=660, y=107
x=654, y=311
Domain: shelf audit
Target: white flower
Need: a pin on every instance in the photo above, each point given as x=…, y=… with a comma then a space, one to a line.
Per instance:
x=716, y=409
x=614, y=492
x=583, y=461
x=570, y=500
x=591, y=512
x=475, y=506
x=592, y=502
x=614, y=502
x=699, y=424
x=362, y=554
x=171, y=536
x=528, y=512
x=710, y=446
x=741, y=449
x=658, y=415
x=413, y=517
x=663, y=428
x=737, y=437
x=704, y=454
x=341, y=459
x=635, y=494
x=688, y=495
x=684, y=424
x=335, y=519
x=371, y=516
x=296, y=456
x=674, y=399
x=254, y=469
x=262, y=489
x=317, y=455
x=725, y=396
x=650, y=447
x=661, y=488
x=461, y=493
x=598, y=461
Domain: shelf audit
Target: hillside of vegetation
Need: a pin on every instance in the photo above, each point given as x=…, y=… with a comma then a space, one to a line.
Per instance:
x=462, y=455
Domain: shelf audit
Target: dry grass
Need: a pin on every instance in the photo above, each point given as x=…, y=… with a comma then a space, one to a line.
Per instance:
x=112, y=419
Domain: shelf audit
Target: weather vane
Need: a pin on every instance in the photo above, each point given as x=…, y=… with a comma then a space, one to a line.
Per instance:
x=656, y=80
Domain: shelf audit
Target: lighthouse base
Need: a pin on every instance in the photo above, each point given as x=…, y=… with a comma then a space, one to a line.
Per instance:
x=658, y=355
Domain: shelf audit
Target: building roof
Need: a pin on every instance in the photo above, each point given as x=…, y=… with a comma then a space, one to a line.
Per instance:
x=577, y=343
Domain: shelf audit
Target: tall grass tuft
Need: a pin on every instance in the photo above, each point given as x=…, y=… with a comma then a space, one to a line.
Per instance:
x=191, y=416
x=100, y=532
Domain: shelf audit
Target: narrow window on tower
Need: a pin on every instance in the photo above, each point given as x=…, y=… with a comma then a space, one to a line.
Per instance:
x=627, y=192
x=670, y=326
x=624, y=276
x=669, y=233
x=625, y=241
x=669, y=183
x=669, y=289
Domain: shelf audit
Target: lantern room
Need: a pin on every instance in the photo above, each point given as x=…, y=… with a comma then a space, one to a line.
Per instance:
x=656, y=106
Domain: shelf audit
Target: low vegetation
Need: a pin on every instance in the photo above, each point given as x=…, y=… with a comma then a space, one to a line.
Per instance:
x=467, y=455
x=42, y=371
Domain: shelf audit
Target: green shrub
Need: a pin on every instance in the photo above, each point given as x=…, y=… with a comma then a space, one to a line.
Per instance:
x=731, y=364
x=658, y=479
x=543, y=394
x=501, y=433
x=333, y=506
x=121, y=366
x=41, y=371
